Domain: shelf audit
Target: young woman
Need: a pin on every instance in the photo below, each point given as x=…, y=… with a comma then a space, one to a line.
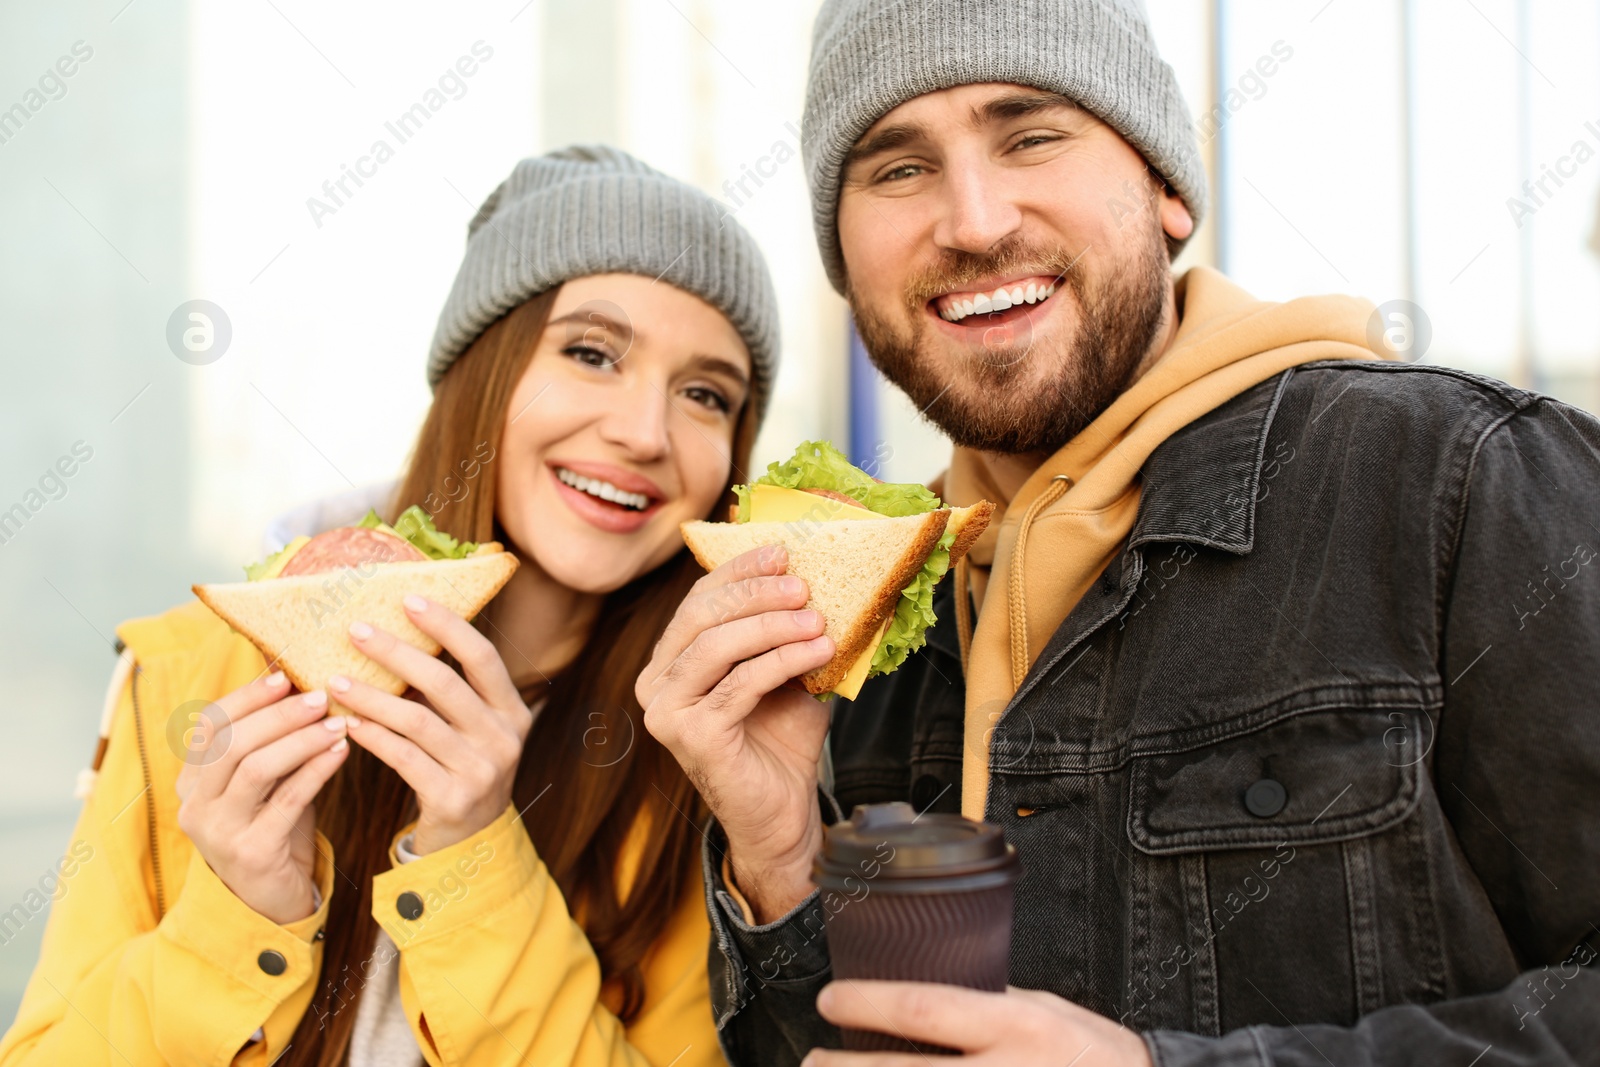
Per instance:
x=501, y=866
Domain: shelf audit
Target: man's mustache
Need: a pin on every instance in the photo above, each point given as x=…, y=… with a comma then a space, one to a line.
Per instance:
x=959, y=270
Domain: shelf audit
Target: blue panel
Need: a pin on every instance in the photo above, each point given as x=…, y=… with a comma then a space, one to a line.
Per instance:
x=865, y=434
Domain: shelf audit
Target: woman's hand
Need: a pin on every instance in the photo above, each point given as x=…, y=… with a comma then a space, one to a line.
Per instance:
x=248, y=787
x=459, y=751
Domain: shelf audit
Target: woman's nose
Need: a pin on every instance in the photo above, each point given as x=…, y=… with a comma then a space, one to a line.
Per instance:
x=638, y=420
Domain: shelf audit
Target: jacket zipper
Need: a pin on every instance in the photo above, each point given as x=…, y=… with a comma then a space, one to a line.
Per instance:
x=149, y=797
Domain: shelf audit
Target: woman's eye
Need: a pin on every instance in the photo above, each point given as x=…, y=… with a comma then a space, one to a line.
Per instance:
x=708, y=398
x=590, y=357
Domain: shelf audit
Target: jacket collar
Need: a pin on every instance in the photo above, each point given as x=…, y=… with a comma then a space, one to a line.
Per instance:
x=1202, y=483
x=1200, y=486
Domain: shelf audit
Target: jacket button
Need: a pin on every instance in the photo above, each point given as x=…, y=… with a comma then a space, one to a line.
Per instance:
x=272, y=962
x=925, y=791
x=409, y=905
x=1266, y=798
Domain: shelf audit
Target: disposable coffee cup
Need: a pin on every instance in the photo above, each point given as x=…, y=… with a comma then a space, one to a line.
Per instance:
x=916, y=898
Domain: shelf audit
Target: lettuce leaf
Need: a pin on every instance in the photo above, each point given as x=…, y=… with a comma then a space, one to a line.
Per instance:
x=416, y=526
x=908, y=630
x=254, y=572
x=819, y=465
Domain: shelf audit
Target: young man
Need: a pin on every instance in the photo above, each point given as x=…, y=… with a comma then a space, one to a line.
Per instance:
x=1283, y=673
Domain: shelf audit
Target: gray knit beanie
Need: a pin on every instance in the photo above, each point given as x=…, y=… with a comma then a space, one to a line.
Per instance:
x=870, y=56
x=593, y=209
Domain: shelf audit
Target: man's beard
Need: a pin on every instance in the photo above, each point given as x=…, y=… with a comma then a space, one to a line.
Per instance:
x=1027, y=396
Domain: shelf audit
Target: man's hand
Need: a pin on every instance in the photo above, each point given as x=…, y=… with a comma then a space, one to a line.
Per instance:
x=1017, y=1028
x=714, y=695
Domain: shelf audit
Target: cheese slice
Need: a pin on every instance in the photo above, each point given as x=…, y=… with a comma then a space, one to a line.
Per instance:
x=850, y=687
x=776, y=503
x=283, y=560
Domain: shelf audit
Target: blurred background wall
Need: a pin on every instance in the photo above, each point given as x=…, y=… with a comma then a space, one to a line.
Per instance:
x=1445, y=153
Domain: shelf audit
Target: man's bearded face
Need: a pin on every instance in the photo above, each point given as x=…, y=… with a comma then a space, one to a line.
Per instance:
x=1011, y=388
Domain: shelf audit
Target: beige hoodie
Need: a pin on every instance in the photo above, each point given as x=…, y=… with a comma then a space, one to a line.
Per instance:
x=1072, y=516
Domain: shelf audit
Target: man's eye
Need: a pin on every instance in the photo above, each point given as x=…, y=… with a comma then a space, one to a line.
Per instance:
x=591, y=357
x=708, y=398
x=904, y=170
x=1034, y=140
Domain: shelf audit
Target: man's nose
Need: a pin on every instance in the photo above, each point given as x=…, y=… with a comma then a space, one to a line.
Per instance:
x=977, y=212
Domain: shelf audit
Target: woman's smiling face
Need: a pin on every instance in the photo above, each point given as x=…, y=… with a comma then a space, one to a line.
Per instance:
x=621, y=427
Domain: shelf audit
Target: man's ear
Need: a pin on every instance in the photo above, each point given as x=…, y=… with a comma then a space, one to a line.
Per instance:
x=1175, y=218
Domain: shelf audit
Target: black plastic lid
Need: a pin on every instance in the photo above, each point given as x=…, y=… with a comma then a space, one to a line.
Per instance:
x=892, y=843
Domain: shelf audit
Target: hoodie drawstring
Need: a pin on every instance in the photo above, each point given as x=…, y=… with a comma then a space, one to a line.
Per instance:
x=1017, y=587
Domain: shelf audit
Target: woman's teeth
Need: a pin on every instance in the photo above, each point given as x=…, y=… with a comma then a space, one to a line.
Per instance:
x=956, y=307
x=603, y=490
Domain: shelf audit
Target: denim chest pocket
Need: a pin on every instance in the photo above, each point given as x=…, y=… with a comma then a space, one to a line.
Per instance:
x=1281, y=873
x=1311, y=778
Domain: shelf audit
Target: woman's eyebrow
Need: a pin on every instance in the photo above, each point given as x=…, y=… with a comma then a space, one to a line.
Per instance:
x=590, y=319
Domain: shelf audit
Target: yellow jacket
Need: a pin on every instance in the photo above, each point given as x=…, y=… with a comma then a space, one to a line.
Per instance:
x=148, y=958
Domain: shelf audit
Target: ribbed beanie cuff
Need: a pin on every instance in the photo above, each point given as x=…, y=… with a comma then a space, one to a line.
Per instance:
x=593, y=209
x=870, y=56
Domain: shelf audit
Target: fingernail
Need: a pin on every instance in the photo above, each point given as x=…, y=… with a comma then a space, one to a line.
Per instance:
x=771, y=553
x=807, y=619
x=339, y=745
x=353, y=721
x=316, y=699
x=414, y=602
x=275, y=679
x=360, y=631
x=825, y=998
x=334, y=722
x=339, y=683
x=791, y=586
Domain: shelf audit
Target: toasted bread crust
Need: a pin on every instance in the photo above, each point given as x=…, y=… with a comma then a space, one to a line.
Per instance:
x=242, y=628
x=300, y=682
x=856, y=640
x=825, y=678
x=977, y=522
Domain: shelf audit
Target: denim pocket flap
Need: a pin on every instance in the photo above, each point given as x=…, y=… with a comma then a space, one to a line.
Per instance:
x=1313, y=777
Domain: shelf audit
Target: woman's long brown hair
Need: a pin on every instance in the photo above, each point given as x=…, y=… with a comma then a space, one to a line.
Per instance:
x=589, y=769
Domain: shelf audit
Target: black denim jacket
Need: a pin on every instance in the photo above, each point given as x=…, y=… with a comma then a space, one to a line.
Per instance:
x=1375, y=586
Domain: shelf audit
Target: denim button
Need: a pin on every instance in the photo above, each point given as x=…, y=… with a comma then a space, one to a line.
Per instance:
x=925, y=791
x=409, y=905
x=1266, y=798
x=272, y=962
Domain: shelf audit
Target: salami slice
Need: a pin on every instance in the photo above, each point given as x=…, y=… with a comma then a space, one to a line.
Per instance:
x=349, y=546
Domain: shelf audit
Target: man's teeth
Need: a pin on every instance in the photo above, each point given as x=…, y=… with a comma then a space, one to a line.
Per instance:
x=954, y=310
x=603, y=490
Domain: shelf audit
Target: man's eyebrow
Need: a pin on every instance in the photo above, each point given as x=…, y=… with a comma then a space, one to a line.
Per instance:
x=1010, y=106
x=718, y=365
x=1019, y=105
x=589, y=318
x=888, y=139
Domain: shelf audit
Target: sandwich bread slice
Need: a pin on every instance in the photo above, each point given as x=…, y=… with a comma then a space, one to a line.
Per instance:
x=297, y=605
x=870, y=553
